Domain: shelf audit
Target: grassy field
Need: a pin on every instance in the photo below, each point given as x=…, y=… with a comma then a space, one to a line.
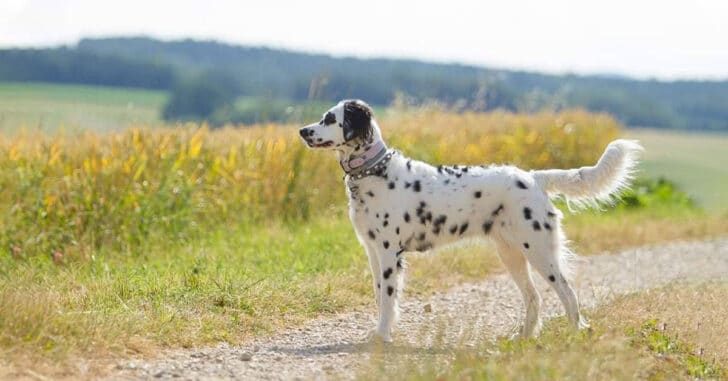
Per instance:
x=50, y=107
x=127, y=241
x=673, y=333
x=694, y=161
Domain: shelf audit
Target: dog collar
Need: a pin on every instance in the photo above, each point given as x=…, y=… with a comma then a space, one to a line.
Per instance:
x=373, y=159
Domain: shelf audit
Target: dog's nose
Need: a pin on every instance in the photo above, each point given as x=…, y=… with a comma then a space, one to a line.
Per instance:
x=303, y=132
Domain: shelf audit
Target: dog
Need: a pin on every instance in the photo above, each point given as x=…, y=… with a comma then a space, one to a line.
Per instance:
x=400, y=205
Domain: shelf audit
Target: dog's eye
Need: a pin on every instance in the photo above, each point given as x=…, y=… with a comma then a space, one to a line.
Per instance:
x=330, y=118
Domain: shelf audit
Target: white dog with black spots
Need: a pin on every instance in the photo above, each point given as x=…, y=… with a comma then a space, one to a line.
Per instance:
x=400, y=205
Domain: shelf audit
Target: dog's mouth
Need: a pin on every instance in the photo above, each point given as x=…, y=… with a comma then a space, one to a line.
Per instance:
x=325, y=144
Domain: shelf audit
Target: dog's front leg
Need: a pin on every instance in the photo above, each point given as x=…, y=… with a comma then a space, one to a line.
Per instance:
x=376, y=274
x=389, y=294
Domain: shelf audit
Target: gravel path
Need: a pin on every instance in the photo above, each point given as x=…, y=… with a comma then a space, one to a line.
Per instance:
x=333, y=348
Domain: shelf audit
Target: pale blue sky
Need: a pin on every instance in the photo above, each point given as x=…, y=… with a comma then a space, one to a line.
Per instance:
x=645, y=38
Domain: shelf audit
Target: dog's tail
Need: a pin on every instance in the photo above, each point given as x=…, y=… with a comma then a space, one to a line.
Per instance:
x=588, y=186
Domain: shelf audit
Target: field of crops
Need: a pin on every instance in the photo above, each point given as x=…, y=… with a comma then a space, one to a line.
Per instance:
x=84, y=192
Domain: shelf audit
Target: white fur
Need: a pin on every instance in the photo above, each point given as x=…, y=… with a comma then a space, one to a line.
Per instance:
x=430, y=207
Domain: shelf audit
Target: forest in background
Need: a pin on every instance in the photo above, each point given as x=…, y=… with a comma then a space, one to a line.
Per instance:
x=225, y=83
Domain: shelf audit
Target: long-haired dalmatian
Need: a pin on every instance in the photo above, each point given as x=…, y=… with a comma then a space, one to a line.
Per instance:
x=400, y=205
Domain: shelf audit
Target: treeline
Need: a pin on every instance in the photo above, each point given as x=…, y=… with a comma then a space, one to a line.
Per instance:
x=67, y=65
x=207, y=79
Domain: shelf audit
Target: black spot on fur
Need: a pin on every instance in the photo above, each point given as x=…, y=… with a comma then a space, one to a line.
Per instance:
x=487, y=225
x=551, y=214
x=400, y=250
x=552, y=278
x=521, y=185
x=386, y=215
x=385, y=223
x=463, y=228
x=439, y=169
x=526, y=245
x=370, y=193
x=416, y=186
x=387, y=273
x=406, y=217
x=453, y=229
x=547, y=226
x=498, y=210
x=477, y=194
x=399, y=264
x=527, y=213
x=421, y=237
x=447, y=181
x=357, y=121
x=409, y=165
x=536, y=225
x=386, y=244
x=371, y=235
x=407, y=185
x=390, y=290
x=379, y=285
x=391, y=185
x=330, y=118
x=440, y=220
x=396, y=230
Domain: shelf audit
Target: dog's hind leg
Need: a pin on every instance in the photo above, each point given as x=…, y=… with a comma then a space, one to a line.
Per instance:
x=519, y=268
x=549, y=255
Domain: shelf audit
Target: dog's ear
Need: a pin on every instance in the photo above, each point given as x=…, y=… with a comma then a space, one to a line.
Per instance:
x=357, y=120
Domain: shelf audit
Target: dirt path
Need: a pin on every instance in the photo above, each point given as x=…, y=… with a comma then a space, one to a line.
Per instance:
x=333, y=348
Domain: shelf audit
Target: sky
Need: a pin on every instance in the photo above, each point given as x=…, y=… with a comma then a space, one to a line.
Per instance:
x=640, y=38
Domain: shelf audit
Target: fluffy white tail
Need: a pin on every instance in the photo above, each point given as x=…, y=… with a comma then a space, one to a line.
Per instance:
x=588, y=186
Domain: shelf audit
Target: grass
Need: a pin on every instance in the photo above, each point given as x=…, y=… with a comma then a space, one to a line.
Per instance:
x=694, y=161
x=236, y=284
x=676, y=332
x=50, y=107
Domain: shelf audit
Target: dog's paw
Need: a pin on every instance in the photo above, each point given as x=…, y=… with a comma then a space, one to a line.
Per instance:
x=374, y=336
x=583, y=324
x=523, y=333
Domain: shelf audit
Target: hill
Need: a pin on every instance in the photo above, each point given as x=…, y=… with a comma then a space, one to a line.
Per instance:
x=185, y=65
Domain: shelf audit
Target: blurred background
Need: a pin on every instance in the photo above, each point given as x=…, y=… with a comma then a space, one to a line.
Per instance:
x=233, y=62
x=86, y=65
x=154, y=191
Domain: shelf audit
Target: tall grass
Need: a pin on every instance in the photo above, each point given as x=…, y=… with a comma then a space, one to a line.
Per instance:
x=79, y=193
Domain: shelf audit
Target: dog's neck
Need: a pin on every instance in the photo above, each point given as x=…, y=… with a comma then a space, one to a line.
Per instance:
x=358, y=157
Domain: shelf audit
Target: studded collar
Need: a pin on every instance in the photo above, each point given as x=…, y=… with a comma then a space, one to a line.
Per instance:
x=371, y=162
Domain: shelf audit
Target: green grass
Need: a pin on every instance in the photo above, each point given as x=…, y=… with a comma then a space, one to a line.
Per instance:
x=50, y=107
x=231, y=284
x=695, y=161
x=236, y=283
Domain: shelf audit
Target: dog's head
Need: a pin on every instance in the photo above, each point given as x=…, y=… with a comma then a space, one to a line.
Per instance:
x=348, y=121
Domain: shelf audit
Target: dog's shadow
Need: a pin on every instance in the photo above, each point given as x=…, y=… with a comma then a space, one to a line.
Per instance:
x=366, y=347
